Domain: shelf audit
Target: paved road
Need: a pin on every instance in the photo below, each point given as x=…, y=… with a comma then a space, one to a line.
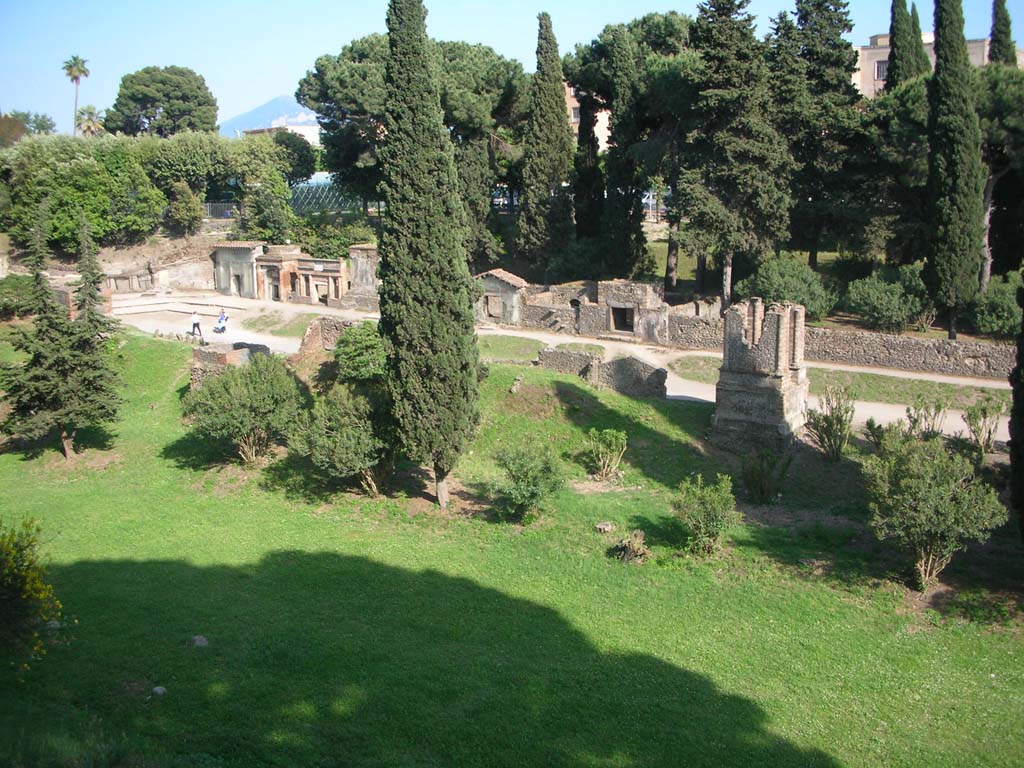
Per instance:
x=171, y=315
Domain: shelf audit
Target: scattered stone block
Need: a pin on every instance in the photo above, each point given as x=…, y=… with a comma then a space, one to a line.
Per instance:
x=631, y=549
x=199, y=641
x=606, y=527
x=159, y=690
x=516, y=385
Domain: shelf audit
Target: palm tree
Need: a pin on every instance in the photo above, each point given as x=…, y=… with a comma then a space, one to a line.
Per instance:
x=90, y=121
x=75, y=69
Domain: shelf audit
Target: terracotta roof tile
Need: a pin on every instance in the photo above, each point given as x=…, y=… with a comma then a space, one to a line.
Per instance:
x=506, y=277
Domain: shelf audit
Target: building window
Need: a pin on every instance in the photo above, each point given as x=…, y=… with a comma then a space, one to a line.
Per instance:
x=575, y=114
x=881, y=69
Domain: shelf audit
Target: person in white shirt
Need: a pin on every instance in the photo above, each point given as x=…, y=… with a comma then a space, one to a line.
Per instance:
x=195, y=324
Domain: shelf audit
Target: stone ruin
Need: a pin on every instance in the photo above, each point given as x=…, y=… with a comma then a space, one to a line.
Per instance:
x=213, y=359
x=761, y=397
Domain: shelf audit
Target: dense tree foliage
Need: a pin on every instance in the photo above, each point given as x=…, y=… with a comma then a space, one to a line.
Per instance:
x=922, y=65
x=955, y=177
x=1017, y=421
x=735, y=188
x=426, y=314
x=545, y=220
x=1001, y=48
x=162, y=101
x=900, y=66
x=14, y=125
x=301, y=160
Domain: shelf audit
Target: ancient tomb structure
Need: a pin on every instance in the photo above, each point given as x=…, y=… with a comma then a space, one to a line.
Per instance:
x=761, y=398
x=213, y=359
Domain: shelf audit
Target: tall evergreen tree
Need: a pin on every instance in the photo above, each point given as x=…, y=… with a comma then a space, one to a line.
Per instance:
x=589, y=181
x=1001, y=49
x=1017, y=424
x=920, y=63
x=426, y=312
x=955, y=177
x=735, y=188
x=545, y=218
x=902, y=53
x=66, y=382
x=820, y=205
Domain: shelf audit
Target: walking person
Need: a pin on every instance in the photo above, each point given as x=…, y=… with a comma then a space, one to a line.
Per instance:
x=195, y=325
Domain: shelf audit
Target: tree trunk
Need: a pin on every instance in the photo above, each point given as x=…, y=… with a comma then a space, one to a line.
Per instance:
x=74, y=118
x=726, y=282
x=67, y=443
x=672, y=259
x=812, y=255
x=441, y=487
x=952, y=324
x=986, y=247
x=699, y=274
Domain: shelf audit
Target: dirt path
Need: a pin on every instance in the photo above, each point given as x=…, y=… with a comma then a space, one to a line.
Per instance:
x=170, y=314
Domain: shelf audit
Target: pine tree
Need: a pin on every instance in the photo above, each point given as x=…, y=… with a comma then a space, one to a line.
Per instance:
x=902, y=46
x=955, y=177
x=66, y=382
x=1001, y=48
x=426, y=312
x=735, y=188
x=920, y=64
x=545, y=217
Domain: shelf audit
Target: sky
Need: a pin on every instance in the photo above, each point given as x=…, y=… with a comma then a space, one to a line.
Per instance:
x=250, y=52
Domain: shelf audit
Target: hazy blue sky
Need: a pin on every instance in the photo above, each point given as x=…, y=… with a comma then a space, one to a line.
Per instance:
x=250, y=52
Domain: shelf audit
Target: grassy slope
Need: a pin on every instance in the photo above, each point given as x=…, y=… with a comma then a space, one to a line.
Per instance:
x=350, y=632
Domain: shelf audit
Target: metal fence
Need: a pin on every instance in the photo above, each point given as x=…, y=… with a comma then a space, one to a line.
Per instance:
x=221, y=210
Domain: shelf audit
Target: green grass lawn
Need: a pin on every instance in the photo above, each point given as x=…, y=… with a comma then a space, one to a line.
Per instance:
x=345, y=631
x=573, y=346
x=508, y=348
x=276, y=324
x=876, y=388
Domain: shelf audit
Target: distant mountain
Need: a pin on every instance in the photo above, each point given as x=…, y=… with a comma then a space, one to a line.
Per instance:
x=284, y=110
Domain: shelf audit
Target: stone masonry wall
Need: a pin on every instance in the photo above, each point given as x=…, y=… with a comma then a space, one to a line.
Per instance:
x=213, y=359
x=850, y=347
x=323, y=333
x=625, y=375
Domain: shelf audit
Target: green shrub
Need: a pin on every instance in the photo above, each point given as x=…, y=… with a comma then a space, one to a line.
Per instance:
x=323, y=239
x=15, y=296
x=605, y=449
x=247, y=407
x=995, y=312
x=925, y=417
x=892, y=299
x=929, y=501
x=784, y=279
x=532, y=473
x=707, y=511
x=27, y=602
x=982, y=420
x=266, y=212
x=764, y=474
x=346, y=439
x=359, y=353
x=184, y=211
x=831, y=427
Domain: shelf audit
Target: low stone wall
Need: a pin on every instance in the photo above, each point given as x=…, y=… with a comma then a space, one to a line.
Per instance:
x=625, y=375
x=556, y=319
x=881, y=350
x=212, y=359
x=323, y=333
x=886, y=350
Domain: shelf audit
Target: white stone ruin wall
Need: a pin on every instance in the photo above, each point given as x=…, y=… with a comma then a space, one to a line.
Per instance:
x=761, y=397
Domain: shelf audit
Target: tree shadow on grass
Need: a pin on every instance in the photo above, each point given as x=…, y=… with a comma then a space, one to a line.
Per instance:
x=663, y=459
x=197, y=452
x=330, y=660
x=299, y=480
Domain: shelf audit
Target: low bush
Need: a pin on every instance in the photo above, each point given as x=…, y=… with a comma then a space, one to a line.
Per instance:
x=982, y=420
x=784, y=279
x=764, y=474
x=831, y=427
x=892, y=299
x=632, y=549
x=359, y=353
x=324, y=239
x=995, y=312
x=925, y=418
x=605, y=449
x=247, y=407
x=27, y=601
x=929, y=501
x=184, y=210
x=532, y=474
x=15, y=296
x=707, y=511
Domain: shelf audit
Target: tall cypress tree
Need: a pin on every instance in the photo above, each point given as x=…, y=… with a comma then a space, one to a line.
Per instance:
x=955, y=177
x=545, y=217
x=589, y=182
x=426, y=311
x=902, y=46
x=1001, y=48
x=920, y=64
x=734, y=192
x=1017, y=424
